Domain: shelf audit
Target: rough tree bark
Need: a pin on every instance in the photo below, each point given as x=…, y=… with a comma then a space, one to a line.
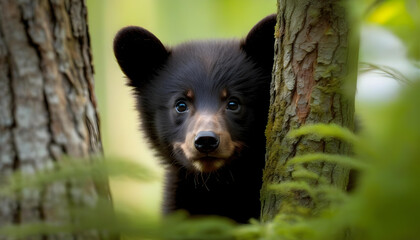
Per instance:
x=312, y=60
x=47, y=106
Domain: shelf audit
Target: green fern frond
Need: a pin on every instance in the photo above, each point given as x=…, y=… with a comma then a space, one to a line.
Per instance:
x=288, y=186
x=326, y=130
x=305, y=174
x=77, y=170
x=332, y=158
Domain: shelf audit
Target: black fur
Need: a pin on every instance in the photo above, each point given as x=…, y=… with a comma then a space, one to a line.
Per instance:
x=160, y=76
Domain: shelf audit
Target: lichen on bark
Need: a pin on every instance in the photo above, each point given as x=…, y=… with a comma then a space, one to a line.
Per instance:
x=311, y=64
x=47, y=107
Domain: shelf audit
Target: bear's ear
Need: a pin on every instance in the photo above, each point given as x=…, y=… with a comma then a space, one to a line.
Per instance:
x=259, y=43
x=139, y=54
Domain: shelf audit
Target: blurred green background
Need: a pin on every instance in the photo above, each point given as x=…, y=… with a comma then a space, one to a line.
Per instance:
x=389, y=37
x=384, y=206
x=172, y=22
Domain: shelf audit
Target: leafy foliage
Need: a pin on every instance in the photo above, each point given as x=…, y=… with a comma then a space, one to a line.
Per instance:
x=402, y=18
x=383, y=206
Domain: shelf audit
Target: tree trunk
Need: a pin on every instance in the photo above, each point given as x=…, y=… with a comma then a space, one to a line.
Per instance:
x=312, y=61
x=47, y=106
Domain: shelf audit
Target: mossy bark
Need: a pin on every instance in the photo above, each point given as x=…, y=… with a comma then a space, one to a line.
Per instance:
x=312, y=62
x=47, y=107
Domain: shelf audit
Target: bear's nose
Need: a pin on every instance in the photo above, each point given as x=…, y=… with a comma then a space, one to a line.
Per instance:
x=206, y=141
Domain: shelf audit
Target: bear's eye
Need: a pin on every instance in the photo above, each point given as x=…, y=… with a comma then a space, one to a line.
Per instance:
x=181, y=106
x=233, y=105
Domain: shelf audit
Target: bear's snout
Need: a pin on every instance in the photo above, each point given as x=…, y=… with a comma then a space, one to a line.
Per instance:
x=208, y=144
x=206, y=141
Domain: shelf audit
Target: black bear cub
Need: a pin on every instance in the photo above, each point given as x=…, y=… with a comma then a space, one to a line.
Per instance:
x=203, y=106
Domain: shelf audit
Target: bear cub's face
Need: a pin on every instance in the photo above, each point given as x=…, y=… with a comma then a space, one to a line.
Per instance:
x=207, y=103
x=202, y=104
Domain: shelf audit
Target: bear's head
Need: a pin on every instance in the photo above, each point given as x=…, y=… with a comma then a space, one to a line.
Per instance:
x=202, y=104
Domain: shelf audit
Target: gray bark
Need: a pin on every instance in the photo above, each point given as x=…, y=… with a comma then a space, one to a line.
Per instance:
x=312, y=60
x=47, y=105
